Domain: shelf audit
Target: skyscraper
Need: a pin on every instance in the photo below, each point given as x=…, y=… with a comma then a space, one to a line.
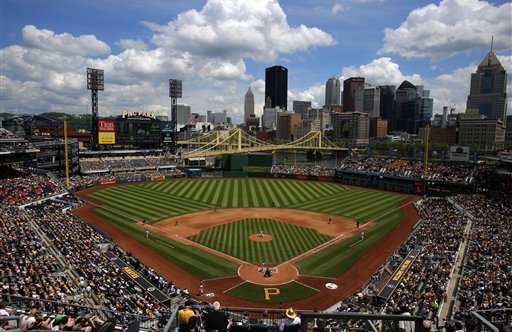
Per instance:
x=413, y=108
x=488, y=90
x=350, y=86
x=387, y=104
x=248, y=104
x=332, y=92
x=276, y=86
x=301, y=107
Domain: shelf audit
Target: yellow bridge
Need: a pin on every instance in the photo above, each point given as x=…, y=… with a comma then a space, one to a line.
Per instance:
x=238, y=141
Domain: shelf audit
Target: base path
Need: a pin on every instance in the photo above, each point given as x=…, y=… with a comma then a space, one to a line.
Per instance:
x=183, y=226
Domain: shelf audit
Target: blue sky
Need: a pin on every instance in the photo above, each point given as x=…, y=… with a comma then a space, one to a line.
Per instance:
x=221, y=47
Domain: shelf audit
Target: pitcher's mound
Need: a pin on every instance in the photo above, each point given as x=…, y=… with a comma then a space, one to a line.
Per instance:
x=259, y=238
x=279, y=275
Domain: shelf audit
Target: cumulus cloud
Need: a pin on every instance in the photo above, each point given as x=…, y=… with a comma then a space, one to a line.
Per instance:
x=315, y=94
x=205, y=48
x=135, y=44
x=237, y=29
x=453, y=26
x=63, y=43
x=381, y=71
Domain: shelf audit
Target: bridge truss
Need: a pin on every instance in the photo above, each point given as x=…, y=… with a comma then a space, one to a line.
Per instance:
x=238, y=141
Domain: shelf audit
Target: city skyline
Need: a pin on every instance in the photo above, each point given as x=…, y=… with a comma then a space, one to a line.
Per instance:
x=220, y=48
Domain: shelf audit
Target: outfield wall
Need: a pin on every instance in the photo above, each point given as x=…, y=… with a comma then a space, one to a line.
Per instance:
x=378, y=181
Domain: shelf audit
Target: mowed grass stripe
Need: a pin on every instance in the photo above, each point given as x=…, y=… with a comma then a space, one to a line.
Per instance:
x=343, y=199
x=379, y=205
x=233, y=239
x=146, y=198
x=244, y=192
x=191, y=190
x=326, y=201
x=256, y=198
x=120, y=203
x=190, y=258
x=279, y=187
x=269, y=194
x=236, y=193
x=292, y=191
x=164, y=200
x=209, y=185
x=335, y=259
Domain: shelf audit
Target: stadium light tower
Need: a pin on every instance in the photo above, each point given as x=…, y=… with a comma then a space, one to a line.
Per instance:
x=175, y=92
x=94, y=83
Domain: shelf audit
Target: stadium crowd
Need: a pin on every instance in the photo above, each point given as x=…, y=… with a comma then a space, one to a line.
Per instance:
x=438, y=236
x=78, y=244
x=114, y=163
x=412, y=169
x=302, y=170
x=21, y=186
x=50, y=254
x=85, y=180
x=487, y=273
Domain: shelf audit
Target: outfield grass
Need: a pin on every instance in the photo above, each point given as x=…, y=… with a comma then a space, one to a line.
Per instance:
x=288, y=240
x=176, y=197
x=291, y=291
x=335, y=259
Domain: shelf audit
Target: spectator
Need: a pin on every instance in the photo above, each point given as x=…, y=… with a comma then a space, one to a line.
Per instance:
x=291, y=322
x=217, y=320
x=185, y=314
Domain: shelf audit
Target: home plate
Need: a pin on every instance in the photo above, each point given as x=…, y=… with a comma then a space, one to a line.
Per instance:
x=330, y=285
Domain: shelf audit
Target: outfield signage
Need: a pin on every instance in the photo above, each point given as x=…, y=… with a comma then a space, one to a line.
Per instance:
x=106, y=126
x=459, y=153
x=399, y=274
x=138, y=114
x=111, y=181
x=107, y=138
x=135, y=276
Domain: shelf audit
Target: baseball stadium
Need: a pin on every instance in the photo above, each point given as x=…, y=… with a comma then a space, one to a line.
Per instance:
x=132, y=239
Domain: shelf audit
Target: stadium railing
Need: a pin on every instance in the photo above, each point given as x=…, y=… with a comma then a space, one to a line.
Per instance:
x=492, y=319
x=268, y=320
x=51, y=306
x=11, y=319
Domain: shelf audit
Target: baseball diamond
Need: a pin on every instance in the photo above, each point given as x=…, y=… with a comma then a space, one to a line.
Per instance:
x=214, y=230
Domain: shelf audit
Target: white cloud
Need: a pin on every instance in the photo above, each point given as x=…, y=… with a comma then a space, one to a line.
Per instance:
x=135, y=44
x=337, y=8
x=453, y=26
x=237, y=29
x=63, y=43
x=381, y=71
x=315, y=94
x=206, y=49
x=217, y=100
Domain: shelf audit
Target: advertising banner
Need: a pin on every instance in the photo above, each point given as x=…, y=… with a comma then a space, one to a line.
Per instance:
x=106, y=125
x=107, y=138
x=111, y=181
x=459, y=153
x=399, y=274
x=158, y=178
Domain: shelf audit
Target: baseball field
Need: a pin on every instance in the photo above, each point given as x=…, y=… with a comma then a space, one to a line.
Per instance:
x=227, y=232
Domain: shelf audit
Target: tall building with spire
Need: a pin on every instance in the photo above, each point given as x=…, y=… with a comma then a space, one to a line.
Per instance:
x=248, y=104
x=488, y=90
x=332, y=92
x=276, y=86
